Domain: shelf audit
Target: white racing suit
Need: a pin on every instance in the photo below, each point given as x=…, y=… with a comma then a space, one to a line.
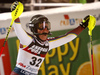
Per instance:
x=31, y=57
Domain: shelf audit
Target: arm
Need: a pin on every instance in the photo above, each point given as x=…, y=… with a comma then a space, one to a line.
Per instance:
x=58, y=41
x=77, y=30
x=21, y=34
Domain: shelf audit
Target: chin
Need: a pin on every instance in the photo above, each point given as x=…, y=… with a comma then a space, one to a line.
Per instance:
x=43, y=37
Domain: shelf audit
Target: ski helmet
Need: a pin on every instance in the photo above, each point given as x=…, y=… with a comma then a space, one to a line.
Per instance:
x=34, y=22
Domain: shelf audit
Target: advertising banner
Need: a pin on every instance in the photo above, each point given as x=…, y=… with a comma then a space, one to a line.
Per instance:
x=72, y=58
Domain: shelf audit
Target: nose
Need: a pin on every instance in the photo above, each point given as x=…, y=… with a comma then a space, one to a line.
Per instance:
x=45, y=28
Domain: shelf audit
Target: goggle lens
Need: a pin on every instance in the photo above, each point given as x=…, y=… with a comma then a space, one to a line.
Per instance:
x=43, y=25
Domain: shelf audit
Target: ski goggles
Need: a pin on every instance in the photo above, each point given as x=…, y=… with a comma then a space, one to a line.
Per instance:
x=44, y=24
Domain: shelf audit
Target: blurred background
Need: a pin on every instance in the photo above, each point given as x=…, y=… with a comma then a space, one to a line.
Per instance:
x=72, y=58
x=30, y=4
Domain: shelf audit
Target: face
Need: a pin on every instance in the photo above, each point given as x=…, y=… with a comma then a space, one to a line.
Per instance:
x=43, y=29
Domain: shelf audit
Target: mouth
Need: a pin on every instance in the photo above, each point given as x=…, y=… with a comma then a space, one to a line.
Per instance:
x=45, y=33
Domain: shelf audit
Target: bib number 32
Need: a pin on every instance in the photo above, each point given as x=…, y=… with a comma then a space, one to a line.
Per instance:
x=35, y=61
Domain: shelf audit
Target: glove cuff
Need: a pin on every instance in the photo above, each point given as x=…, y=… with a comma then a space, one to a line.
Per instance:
x=82, y=25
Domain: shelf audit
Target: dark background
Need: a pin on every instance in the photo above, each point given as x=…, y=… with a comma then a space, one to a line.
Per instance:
x=5, y=8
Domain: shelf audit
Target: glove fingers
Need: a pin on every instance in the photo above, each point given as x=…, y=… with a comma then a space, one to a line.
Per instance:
x=89, y=21
x=85, y=21
x=18, y=11
x=14, y=5
x=87, y=17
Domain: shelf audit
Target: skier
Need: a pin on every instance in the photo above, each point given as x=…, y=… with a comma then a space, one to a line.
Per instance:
x=33, y=48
